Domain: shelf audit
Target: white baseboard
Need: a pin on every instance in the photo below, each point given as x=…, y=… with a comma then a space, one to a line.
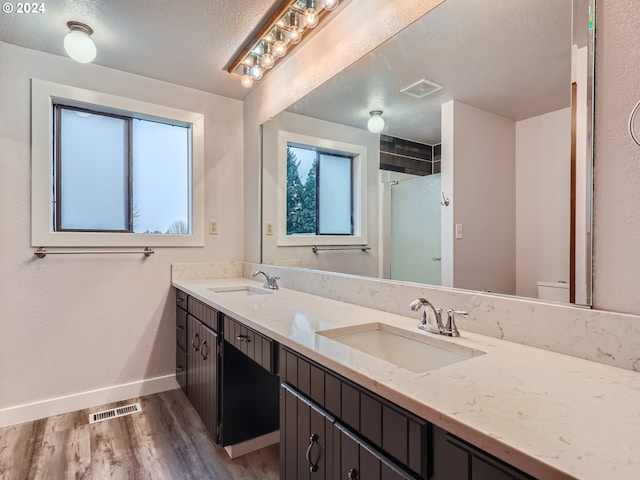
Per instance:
x=253, y=444
x=78, y=401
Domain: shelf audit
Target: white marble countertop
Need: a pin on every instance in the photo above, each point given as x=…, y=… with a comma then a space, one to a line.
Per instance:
x=551, y=415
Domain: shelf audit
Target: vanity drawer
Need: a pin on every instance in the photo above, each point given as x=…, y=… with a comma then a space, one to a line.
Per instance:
x=181, y=299
x=255, y=346
x=181, y=328
x=399, y=433
x=204, y=313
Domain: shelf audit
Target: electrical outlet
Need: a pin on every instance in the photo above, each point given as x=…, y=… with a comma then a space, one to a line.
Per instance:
x=213, y=227
x=269, y=228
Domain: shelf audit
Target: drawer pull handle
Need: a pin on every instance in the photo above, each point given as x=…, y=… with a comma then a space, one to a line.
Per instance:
x=180, y=368
x=204, y=353
x=313, y=467
x=180, y=327
x=243, y=338
x=195, y=346
x=179, y=299
x=352, y=474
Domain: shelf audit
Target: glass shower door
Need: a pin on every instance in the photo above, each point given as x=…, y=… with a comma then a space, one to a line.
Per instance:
x=415, y=230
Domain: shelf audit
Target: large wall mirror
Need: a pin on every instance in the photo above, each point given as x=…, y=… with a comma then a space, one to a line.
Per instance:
x=481, y=177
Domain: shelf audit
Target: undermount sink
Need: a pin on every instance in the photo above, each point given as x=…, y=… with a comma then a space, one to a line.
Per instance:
x=413, y=351
x=241, y=290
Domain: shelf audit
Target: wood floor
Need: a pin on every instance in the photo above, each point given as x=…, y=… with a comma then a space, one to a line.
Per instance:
x=165, y=441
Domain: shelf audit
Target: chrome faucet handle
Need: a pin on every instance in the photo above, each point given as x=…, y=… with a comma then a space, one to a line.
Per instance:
x=272, y=283
x=451, y=329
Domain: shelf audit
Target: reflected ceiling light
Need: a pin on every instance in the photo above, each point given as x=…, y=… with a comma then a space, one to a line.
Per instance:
x=376, y=122
x=247, y=79
x=278, y=33
x=330, y=4
x=78, y=43
x=310, y=14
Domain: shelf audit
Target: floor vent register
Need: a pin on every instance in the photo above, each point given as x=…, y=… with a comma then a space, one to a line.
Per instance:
x=115, y=413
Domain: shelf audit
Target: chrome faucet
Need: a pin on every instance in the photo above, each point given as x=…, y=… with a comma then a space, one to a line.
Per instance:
x=425, y=324
x=269, y=281
x=449, y=329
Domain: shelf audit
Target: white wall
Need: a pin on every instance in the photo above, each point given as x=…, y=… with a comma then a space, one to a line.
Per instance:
x=76, y=323
x=543, y=177
x=617, y=159
x=350, y=261
x=478, y=153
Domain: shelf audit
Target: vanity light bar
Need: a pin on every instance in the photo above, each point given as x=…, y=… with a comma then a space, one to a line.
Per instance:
x=275, y=36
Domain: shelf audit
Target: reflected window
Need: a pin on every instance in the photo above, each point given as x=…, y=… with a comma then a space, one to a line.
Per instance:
x=120, y=174
x=319, y=199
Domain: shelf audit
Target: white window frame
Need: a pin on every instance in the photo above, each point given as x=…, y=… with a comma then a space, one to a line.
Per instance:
x=43, y=96
x=359, y=154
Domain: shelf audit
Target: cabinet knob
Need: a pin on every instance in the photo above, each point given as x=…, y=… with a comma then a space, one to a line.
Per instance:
x=352, y=474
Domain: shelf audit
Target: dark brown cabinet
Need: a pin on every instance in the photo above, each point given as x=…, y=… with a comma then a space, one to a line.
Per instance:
x=458, y=460
x=181, y=340
x=400, y=435
x=315, y=446
x=231, y=383
x=203, y=373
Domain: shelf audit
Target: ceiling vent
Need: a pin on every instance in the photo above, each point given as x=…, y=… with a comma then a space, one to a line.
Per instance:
x=421, y=88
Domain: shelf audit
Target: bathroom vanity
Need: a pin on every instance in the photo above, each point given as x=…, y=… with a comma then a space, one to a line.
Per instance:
x=503, y=411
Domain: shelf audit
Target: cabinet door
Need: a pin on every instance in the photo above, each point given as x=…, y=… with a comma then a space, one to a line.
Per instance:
x=202, y=375
x=306, y=439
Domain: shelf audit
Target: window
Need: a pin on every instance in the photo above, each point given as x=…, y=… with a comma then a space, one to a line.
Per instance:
x=321, y=198
x=111, y=171
x=120, y=173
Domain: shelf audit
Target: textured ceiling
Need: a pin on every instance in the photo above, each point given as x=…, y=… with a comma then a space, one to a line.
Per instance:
x=508, y=57
x=178, y=41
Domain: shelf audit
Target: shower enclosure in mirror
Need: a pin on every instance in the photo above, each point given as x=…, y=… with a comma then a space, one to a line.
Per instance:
x=482, y=175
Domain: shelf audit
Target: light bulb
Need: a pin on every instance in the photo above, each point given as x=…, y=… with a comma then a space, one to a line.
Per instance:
x=376, y=122
x=310, y=16
x=295, y=37
x=247, y=79
x=330, y=4
x=295, y=32
x=279, y=46
x=77, y=43
x=267, y=59
x=256, y=71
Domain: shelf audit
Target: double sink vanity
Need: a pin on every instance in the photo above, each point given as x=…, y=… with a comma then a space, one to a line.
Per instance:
x=359, y=393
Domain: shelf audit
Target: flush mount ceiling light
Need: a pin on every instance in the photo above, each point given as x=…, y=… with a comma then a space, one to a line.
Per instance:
x=277, y=34
x=376, y=122
x=78, y=43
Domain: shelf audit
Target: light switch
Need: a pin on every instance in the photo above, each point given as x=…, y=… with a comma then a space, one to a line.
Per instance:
x=458, y=230
x=269, y=229
x=213, y=227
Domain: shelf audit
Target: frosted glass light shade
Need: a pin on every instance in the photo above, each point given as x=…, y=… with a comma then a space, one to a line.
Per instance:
x=79, y=46
x=376, y=122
